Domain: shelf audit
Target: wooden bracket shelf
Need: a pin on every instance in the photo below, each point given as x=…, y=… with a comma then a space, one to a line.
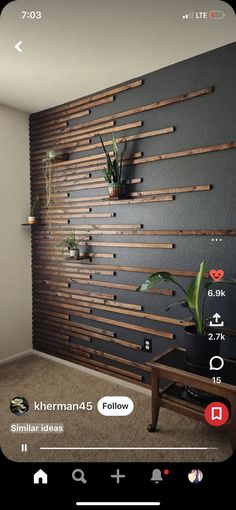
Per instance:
x=73, y=259
x=33, y=224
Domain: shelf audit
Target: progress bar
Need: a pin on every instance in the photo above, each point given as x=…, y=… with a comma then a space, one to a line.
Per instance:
x=127, y=448
x=116, y=503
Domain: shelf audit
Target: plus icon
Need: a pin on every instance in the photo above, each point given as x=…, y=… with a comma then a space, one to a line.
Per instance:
x=118, y=476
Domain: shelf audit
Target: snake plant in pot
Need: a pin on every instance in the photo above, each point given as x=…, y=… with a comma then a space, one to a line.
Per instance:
x=198, y=333
x=114, y=168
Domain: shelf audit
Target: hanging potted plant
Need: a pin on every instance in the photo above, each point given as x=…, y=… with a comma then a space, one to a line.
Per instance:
x=72, y=244
x=50, y=158
x=32, y=218
x=199, y=347
x=114, y=168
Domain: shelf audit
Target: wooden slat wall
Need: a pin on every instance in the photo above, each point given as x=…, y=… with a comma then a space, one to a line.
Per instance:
x=65, y=315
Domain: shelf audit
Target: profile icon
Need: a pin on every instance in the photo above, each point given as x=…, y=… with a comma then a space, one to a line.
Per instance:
x=195, y=476
x=19, y=406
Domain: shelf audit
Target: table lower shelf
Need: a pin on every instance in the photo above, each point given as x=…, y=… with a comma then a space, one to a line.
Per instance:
x=176, y=398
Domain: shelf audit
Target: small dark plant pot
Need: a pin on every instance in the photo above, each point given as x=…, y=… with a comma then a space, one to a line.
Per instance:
x=115, y=189
x=199, y=349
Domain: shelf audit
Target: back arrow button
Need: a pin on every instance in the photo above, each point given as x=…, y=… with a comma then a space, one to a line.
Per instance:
x=17, y=46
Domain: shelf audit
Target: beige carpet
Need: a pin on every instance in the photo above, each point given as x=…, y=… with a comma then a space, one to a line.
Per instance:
x=40, y=379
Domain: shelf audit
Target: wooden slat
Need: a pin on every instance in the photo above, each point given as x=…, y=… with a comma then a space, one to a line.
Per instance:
x=76, y=331
x=73, y=298
x=58, y=133
x=101, y=295
x=64, y=127
x=153, y=106
x=142, y=232
x=78, y=186
x=70, y=139
x=122, y=127
x=83, y=167
x=46, y=253
x=108, y=302
x=66, y=114
x=97, y=367
x=55, y=334
x=134, y=327
x=84, y=101
x=163, y=246
x=55, y=121
x=96, y=283
x=62, y=177
x=47, y=304
x=56, y=314
x=85, y=327
x=160, y=191
x=188, y=152
x=83, y=215
x=133, y=201
x=118, y=359
x=79, y=331
x=143, y=270
x=84, y=162
x=142, y=315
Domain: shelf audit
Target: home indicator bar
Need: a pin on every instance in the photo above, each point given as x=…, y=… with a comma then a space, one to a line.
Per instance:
x=117, y=503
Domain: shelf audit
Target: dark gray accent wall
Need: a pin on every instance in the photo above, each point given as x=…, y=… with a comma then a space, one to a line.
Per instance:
x=202, y=121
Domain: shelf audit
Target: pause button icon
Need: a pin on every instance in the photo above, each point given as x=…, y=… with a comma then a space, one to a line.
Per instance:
x=24, y=447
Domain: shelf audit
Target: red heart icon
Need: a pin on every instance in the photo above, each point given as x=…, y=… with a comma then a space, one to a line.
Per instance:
x=216, y=274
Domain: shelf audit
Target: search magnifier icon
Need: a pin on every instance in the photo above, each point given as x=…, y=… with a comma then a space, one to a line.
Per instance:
x=216, y=363
x=78, y=476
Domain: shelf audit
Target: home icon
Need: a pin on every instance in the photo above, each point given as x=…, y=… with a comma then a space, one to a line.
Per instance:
x=40, y=477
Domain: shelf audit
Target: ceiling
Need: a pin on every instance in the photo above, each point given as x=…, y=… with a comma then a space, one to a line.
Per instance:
x=81, y=46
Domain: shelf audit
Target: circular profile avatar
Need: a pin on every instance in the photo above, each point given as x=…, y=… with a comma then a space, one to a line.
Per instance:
x=19, y=406
x=195, y=476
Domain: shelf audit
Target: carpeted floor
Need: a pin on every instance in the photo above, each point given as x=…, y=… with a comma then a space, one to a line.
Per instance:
x=40, y=379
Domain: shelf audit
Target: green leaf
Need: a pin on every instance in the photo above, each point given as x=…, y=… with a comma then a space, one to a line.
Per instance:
x=154, y=279
x=103, y=146
x=115, y=147
x=178, y=303
x=223, y=280
x=193, y=298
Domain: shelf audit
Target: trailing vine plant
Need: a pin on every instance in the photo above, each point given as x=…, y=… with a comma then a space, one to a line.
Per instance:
x=50, y=197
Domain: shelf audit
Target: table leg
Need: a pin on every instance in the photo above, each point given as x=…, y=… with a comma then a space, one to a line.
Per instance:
x=232, y=425
x=155, y=402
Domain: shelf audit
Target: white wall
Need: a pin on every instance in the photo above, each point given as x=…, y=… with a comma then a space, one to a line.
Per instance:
x=15, y=247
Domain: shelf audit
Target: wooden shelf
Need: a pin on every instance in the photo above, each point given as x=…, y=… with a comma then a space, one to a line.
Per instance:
x=33, y=224
x=73, y=259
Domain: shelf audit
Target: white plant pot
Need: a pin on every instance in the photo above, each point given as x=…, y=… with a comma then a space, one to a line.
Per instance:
x=73, y=253
x=31, y=220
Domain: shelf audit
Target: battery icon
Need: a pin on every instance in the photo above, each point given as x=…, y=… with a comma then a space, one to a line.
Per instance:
x=216, y=14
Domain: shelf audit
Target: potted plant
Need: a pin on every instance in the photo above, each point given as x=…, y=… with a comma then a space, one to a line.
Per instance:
x=32, y=218
x=199, y=347
x=114, y=168
x=72, y=244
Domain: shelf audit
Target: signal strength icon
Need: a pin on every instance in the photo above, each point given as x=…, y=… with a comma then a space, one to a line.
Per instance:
x=188, y=16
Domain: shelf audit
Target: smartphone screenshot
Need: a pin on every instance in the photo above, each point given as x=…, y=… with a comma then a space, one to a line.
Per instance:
x=117, y=260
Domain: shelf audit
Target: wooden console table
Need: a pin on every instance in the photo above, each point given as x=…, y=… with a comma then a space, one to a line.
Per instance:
x=171, y=365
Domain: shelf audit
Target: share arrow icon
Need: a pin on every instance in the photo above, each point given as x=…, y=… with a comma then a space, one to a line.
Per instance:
x=216, y=323
x=17, y=46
